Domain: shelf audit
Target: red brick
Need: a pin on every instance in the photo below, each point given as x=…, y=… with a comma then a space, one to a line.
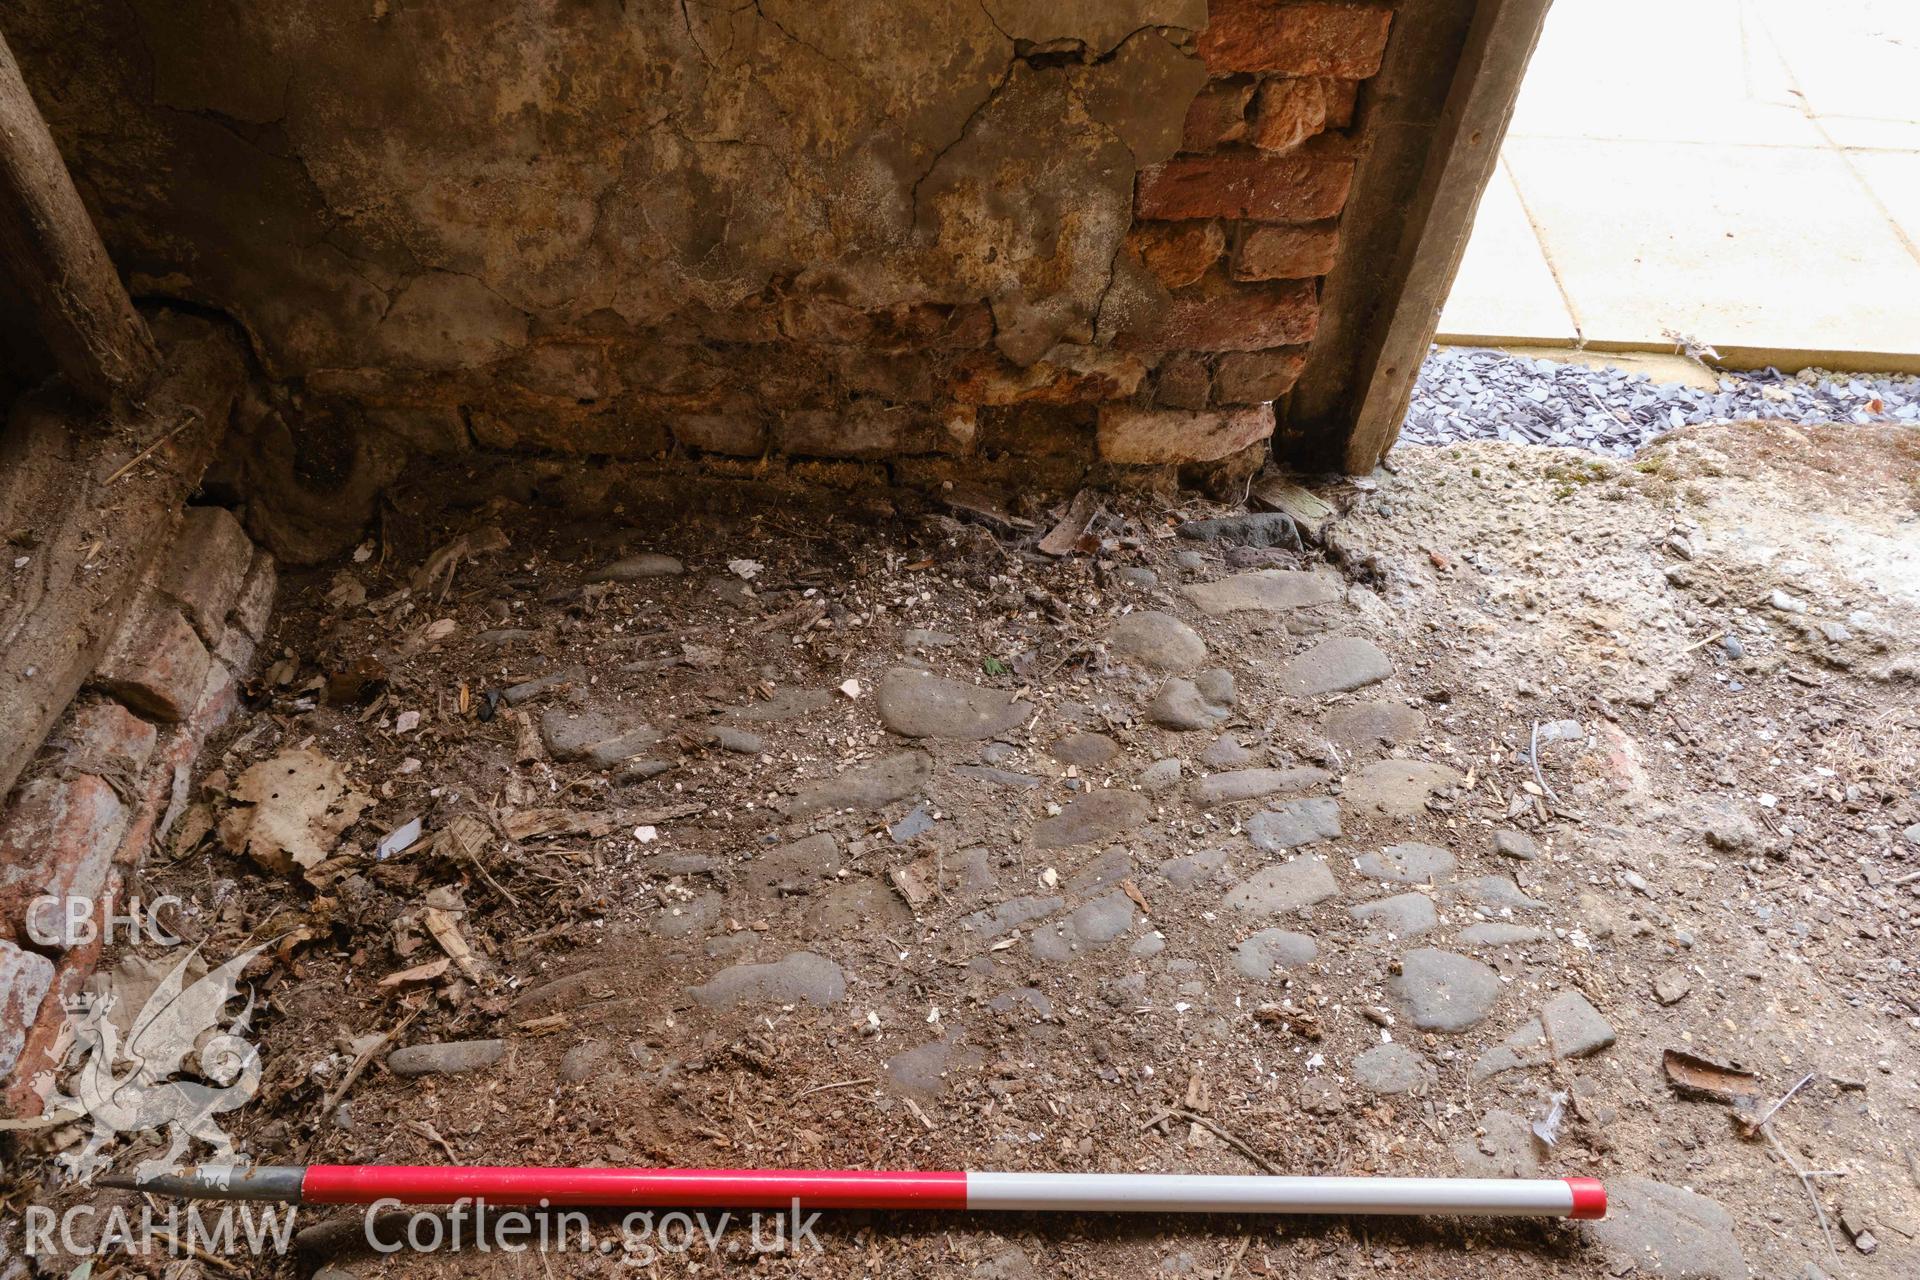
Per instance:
x=101, y=736
x=25, y=979
x=1218, y=114
x=205, y=567
x=156, y=665
x=788, y=376
x=962, y=328
x=1129, y=434
x=1178, y=253
x=1256, y=377
x=1218, y=315
x=1290, y=110
x=59, y=842
x=1301, y=186
x=1344, y=40
x=751, y=320
x=1286, y=253
x=46, y=1035
x=219, y=699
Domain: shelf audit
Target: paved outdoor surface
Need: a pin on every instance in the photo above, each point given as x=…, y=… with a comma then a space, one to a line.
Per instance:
x=1746, y=172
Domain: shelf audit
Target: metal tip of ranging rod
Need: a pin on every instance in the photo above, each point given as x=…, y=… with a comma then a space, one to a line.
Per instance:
x=216, y=1182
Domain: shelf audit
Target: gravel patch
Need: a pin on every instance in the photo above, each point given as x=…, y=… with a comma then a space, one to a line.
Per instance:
x=1469, y=393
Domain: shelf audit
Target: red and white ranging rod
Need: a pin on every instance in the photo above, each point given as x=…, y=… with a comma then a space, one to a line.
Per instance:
x=871, y=1189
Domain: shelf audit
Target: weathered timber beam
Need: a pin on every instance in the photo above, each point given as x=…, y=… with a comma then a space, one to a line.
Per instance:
x=51, y=254
x=1435, y=119
x=87, y=524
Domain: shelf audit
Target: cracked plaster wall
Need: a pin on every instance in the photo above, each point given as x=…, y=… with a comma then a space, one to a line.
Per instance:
x=616, y=226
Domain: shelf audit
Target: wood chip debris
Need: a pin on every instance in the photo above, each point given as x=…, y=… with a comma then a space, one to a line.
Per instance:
x=540, y=824
x=527, y=749
x=447, y=934
x=911, y=881
x=432, y=971
x=669, y=813
x=1069, y=534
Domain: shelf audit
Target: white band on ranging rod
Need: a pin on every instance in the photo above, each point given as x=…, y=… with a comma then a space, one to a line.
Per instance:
x=1185, y=1193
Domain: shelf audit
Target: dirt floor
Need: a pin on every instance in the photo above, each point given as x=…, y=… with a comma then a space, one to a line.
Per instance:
x=1628, y=751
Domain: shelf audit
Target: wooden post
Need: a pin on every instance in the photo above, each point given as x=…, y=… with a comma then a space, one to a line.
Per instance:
x=1439, y=111
x=52, y=255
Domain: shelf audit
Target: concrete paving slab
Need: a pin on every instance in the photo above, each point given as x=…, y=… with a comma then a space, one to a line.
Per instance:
x=1637, y=69
x=1744, y=247
x=1505, y=291
x=1894, y=179
x=1743, y=171
x=1852, y=66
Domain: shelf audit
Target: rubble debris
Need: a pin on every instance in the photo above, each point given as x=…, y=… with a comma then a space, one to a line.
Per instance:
x=398, y=840
x=1263, y=529
x=288, y=812
x=1695, y=1076
x=1070, y=533
x=452, y=1057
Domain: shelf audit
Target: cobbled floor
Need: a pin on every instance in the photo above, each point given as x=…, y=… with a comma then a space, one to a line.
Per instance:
x=1468, y=393
x=789, y=830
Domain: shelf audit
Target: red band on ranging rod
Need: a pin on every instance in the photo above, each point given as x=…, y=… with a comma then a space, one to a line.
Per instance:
x=693, y=1188
x=1589, y=1199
